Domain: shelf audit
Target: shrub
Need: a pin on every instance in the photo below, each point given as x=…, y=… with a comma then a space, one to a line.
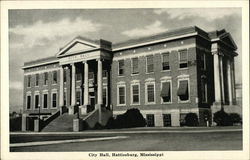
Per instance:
x=191, y=119
x=222, y=118
x=132, y=118
x=235, y=118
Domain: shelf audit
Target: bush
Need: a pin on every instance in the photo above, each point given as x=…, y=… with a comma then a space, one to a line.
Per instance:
x=132, y=118
x=235, y=118
x=191, y=119
x=222, y=118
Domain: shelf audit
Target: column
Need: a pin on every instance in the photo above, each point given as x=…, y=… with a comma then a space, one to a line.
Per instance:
x=73, y=84
x=229, y=81
x=99, y=82
x=61, y=87
x=217, y=87
x=86, y=83
x=233, y=81
x=222, y=80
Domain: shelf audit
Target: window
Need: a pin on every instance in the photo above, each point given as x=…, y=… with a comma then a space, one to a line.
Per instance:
x=150, y=93
x=65, y=97
x=104, y=96
x=121, y=95
x=203, y=61
x=166, y=91
x=165, y=61
x=183, y=91
x=78, y=96
x=183, y=59
x=46, y=78
x=166, y=120
x=91, y=75
x=54, y=103
x=150, y=120
x=78, y=74
x=203, y=90
x=36, y=101
x=104, y=73
x=45, y=101
x=29, y=80
x=37, y=79
x=182, y=119
x=120, y=67
x=135, y=66
x=150, y=64
x=64, y=75
x=54, y=77
x=28, y=102
x=135, y=94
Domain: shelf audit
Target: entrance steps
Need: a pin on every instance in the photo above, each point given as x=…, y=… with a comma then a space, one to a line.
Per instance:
x=63, y=123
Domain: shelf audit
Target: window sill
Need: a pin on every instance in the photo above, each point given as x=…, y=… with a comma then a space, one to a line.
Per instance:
x=135, y=104
x=150, y=73
x=187, y=101
x=150, y=103
x=135, y=74
x=166, y=103
x=121, y=76
x=121, y=105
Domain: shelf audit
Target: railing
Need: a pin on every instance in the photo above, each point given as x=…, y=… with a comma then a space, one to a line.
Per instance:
x=48, y=120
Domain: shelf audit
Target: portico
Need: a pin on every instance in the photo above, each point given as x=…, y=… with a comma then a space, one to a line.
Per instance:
x=88, y=64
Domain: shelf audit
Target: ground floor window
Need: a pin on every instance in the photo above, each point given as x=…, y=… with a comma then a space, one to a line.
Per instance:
x=78, y=97
x=150, y=120
x=28, y=102
x=36, y=101
x=182, y=119
x=45, y=101
x=54, y=102
x=167, y=120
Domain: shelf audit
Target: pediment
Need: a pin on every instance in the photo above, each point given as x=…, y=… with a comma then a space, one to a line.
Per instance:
x=76, y=46
x=227, y=39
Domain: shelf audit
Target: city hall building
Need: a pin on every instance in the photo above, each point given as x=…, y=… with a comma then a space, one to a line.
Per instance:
x=165, y=76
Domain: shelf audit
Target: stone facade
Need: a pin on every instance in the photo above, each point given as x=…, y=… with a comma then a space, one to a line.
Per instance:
x=86, y=67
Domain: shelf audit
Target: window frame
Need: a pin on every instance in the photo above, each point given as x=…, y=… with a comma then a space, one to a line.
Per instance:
x=46, y=81
x=118, y=95
x=146, y=93
x=37, y=94
x=132, y=95
x=147, y=64
x=171, y=95
x=178, y=84
x=132, y=66
x=37, y=77
x=28, y=81
x=162, y=54
x=179, y=56
x=28, y=95
x=120, y=75
x=53, y=76
x=54, y=92
x=45, y=93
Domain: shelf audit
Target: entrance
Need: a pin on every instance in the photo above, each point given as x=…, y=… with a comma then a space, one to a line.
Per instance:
x=92, y=102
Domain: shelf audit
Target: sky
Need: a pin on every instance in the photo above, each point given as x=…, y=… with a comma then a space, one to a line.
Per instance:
x=35, y=34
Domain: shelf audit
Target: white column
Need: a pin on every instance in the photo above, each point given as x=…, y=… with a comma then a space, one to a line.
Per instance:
x=217, y=87
x=99, y=82
x=233, y=81
x=73, y=85
x=61, y=87
x=229, y=81
x=222, y=80
x=86, y=83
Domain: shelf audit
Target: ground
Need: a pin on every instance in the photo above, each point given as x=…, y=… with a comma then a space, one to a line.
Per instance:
x=139, y=139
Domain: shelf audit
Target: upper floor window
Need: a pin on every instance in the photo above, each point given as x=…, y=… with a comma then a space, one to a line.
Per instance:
x=150, y=93
x=54, y=77
x=203, y=90
x=121, y=67
x=121, y=95
x=166, y=91
x=29, y=80
x=91, y=75
x=135, y=97
x=37, y=79
x=64, y=75
x=183, y=90
x=183, y=59
x=165, y=61
x=150, y=63
x=78, y=74
x=28, y=102
x=203, y=61
x=104, y=73
x=46, y=78
x=135, y=66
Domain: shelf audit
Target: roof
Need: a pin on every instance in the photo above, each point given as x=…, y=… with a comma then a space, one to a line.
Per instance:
x=46, y=60
x=164, y=35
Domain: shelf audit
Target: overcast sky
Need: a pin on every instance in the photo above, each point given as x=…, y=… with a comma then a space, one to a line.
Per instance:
x=37, y=34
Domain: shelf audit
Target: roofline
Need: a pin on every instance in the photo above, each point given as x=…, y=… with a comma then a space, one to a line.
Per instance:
x=40, y=64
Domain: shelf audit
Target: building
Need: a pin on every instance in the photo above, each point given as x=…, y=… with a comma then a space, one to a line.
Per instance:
x=165, y=76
